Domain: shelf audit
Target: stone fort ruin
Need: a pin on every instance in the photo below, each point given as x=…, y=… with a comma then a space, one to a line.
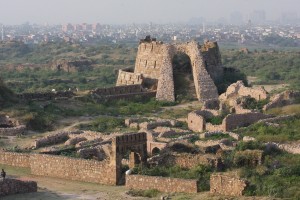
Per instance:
x=154, y=68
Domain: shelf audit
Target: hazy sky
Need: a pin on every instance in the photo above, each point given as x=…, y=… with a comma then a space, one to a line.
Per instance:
x=134, y=11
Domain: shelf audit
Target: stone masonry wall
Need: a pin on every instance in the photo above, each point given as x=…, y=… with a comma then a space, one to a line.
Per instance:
x=154, y=62
x=196, y=122
x=73, y=169
x=124, y=89
x=222, y=184
x=129, y=78
x=14, y=186
x=45, y=95
x=162, y=184
x=192, y=160
x=233, y=121
x=149, y=59
x=13, y=131
x=14, y=159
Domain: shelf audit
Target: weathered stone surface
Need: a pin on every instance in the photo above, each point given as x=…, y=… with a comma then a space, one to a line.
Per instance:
x=10, y=127
x=196, y=122
x=223, y=184
x=122, y=92
x=248, y=157
x=129, y=78
x=154, y=66
x=14, y=159
x=41, y=96
x=71, y=65
x=238, y=90
x=73, y=169
x=282, y=99
x=15, y=186
x=161, y=183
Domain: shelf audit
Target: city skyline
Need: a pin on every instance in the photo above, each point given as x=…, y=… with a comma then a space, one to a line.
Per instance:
x=138, y=11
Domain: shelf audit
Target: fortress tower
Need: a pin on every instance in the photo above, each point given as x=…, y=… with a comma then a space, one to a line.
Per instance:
x=154, y=68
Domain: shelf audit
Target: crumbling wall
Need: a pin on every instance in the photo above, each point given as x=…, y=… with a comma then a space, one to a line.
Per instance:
x=13, y=131
x=154, y=62
x=39, y=96
x=122, y=92
x=238, y=89
x=233, y=121
x=187, y=160
x=124, y=89
x=162, y=184
x=282, y=99
x=151, y=145
x=71, y=65
x=248, y=158
x=129, y=78
x=15, y=159
x=222, y=184
x=51, y=139
x=73, y=169
x=14, y=186
x=196, y=122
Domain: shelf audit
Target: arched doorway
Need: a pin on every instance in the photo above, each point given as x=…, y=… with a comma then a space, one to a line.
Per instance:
x=184, y=86
x=155, y=151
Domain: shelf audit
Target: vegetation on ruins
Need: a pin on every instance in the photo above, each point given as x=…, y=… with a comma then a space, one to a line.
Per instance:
x=287, y=130
x=269, y=66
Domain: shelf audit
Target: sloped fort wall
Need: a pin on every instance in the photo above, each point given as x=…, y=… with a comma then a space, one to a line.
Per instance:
x=154, y=66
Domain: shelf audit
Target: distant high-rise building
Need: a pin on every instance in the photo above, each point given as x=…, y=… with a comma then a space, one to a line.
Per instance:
x=67, y=27
x=258, y=16
x=2, y=33
x=96, y=27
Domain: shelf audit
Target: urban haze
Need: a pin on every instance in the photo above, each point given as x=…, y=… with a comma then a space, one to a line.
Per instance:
x=13, y=12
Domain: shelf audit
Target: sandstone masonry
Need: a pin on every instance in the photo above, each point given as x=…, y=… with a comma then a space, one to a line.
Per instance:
x=162, y=184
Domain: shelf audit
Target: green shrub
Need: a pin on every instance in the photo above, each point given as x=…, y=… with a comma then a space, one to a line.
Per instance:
x=143, y=193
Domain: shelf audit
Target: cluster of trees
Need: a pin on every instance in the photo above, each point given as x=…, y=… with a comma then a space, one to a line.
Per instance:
x=269, y=66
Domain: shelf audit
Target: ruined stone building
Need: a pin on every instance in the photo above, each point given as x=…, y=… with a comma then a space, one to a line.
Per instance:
x=154, y=68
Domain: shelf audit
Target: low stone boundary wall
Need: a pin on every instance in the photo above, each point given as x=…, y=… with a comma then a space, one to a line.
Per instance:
x=14, y=186
x=39, y=96
x=15, y=159
x=162, y=184
x=63, y=167
x=73, y=169
x=13, y=131
x=222, y=184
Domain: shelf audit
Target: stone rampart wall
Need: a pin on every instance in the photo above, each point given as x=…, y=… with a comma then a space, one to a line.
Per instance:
x=14, y=186
x=15, y=159
x=149, y=59
x=221, y=184
x=129, y=78
x=162, y=184
x=73, y=169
